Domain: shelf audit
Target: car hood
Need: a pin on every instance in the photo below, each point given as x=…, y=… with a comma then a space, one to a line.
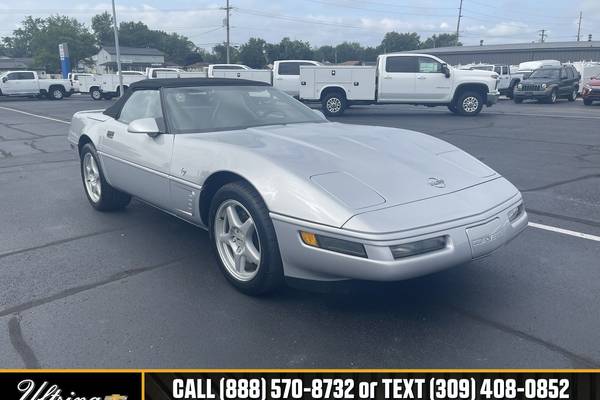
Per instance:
x=364, y=166
x=540, y=80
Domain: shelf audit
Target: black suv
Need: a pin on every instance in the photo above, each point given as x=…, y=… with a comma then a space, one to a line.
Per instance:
x=548, y=84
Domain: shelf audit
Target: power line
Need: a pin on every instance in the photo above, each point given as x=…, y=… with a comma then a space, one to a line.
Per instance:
x=346, y=6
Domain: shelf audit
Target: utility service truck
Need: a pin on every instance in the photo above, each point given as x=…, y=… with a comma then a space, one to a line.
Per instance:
x=399, y=78
x=29, y=84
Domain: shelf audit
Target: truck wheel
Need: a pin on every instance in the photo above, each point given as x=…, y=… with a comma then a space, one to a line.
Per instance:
x=96, y=94
x=452, y=107
x=334, y=104
x=470, y=103
x=57, y=93
x=573, y=95
x=518, y=100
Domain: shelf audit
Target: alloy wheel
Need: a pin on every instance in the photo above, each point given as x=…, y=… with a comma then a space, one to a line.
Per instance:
x=334, y=105
x=470, y=104
x=91, y=176
x=237, y=240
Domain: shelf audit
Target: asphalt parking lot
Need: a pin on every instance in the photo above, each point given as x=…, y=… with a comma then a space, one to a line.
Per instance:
x=139, y=288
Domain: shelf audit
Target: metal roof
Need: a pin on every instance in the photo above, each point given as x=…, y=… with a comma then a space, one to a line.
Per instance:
x=134, y=51
x=513, y=47
x=15, y=63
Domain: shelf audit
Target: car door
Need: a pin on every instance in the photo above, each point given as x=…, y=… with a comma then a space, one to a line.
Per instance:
x=397, y=79
x=503, y=76
x=431, y=83
x=564, y=86
x=27, y=83
x=137, y=163
x=288, y=76
x=11, y=83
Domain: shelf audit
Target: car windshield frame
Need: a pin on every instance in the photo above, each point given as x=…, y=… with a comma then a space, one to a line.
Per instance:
x=168, y=97
x=555, y=72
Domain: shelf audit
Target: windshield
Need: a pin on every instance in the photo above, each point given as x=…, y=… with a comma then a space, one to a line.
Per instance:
x=483, y=68
x=545, y=73
x=212, y=108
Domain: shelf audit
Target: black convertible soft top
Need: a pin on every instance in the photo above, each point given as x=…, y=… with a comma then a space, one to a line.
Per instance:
x=114, y=110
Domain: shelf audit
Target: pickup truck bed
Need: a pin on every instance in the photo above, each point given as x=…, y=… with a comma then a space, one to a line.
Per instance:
x=357, y=81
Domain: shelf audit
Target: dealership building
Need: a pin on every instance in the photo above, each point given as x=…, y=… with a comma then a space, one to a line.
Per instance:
x=132, y=58
x=513, y=54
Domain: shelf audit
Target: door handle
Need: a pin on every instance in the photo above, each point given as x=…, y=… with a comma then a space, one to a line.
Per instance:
x=421, y=77
x=110, y=134
x=387, y=77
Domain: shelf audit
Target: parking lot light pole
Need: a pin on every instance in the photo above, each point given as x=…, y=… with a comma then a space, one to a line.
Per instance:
x=117, y=48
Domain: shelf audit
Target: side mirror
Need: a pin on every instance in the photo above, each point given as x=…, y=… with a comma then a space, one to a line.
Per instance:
x=147, y=126
x=446, y=70
x=4, y=79
x=320, y=114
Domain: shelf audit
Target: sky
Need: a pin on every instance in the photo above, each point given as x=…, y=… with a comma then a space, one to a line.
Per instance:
x=324, y=22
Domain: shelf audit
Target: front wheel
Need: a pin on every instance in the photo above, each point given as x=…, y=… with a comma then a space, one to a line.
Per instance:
x=100, y=194
x=334, y=104
x=452, y=108
x=553, y=97
x=244, y=240
x=518, y=100
x=587, y=102
x=470, y=103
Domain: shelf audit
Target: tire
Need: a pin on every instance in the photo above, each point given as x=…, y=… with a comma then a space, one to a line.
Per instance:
x=56, y=93
x=518, y=100
x=259, y=242
x=573, y=95
x=334, y=104
x=469, y=103
x=452, y=108
x=99, y=193
x=587, y=102
x=96, y=94
x=553, y=97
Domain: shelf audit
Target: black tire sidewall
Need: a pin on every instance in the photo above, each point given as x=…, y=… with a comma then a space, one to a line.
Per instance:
x=553, y=95
x=573, y=95
x=53, y=91
x=463, y=96
x=587, y=102
x=338, y=96
x=96, y=91
x=518, y=100
x=270, y=271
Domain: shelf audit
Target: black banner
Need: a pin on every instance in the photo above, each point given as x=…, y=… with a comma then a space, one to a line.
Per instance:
x=373, y=385
x=70, y=386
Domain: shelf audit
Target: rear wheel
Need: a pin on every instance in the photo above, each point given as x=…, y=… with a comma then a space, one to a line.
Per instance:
x=573, y=95
x=57, y=93
x=100, y=194
x=518, y=100
x=96, y=94
x=334, y=104
x=452, y=107
x=469, y=103
x=244, y=240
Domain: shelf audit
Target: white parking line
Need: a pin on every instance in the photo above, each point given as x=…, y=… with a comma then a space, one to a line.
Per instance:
x=35, y=115
x=565, y=231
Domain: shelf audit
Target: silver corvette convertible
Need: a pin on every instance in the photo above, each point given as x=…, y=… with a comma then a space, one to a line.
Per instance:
x=284, y=192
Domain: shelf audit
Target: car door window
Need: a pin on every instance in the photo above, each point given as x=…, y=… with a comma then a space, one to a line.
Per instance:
x=400, y=64
x=498, y=70
x=13, y=76
x=26, y=75
x=429, y=66
x=141, y=104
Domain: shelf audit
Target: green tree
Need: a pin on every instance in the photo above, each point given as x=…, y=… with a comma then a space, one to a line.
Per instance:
x=289, y=49
x=349, y=52
x=371, y=53
x=102, y=25
x=219, y=55
x=394, y=41
x=324, y=54
x=251, y=53
x=441, y=40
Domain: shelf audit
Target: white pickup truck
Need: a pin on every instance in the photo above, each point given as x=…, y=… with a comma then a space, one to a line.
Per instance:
x=399, y=78
x=507, y=80
x=27, y=83
x=284, y=76
x=109, y=84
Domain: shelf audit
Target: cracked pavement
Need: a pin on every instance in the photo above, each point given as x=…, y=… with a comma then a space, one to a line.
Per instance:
x=140, y=289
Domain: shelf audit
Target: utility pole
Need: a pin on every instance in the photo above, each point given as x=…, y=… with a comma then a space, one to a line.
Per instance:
x=579, y=26
x=458, y=22
x=117, y=49
x=542, y=35
x=227, y=9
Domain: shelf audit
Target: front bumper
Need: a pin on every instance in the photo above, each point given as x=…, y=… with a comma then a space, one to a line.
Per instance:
x=467, y=240
x=492, y=98
x=593, y=94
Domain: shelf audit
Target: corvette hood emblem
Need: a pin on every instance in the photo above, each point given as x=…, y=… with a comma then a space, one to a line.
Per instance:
x=437, y=182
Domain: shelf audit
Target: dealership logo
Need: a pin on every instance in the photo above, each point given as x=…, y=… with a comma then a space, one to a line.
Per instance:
x=437, y=182
x=52, y=392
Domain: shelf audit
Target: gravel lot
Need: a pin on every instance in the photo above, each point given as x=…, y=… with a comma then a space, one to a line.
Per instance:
x=140, y=289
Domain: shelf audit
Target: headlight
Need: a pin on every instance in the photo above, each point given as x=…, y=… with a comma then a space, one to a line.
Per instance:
x=520, y=86
x=588, y=87
x=420, y=247
x=515, y=213
x=544, y=86
x=333, y=244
